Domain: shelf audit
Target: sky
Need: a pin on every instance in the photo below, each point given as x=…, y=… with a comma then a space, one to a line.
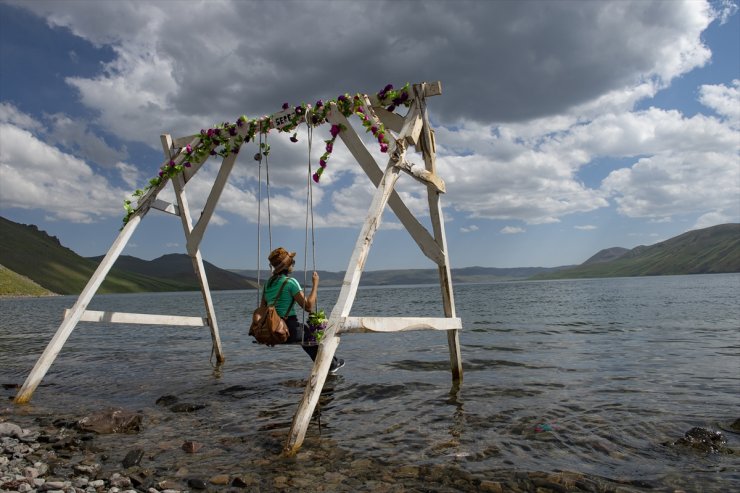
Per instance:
x=563, y=127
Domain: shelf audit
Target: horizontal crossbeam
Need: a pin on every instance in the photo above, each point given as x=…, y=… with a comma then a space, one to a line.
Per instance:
x=139, y=318
x=397, y=324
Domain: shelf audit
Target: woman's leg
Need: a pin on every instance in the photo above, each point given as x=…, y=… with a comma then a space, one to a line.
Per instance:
x=296, y=335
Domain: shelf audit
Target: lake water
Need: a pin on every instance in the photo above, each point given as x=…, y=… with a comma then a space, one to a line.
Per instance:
x=589, y=376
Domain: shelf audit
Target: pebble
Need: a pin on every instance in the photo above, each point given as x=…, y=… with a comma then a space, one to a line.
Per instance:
x=57, y=460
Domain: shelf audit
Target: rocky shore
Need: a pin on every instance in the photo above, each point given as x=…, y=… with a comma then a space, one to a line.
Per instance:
x=64, y=456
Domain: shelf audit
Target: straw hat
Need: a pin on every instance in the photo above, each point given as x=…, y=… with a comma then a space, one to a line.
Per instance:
x=280, y=259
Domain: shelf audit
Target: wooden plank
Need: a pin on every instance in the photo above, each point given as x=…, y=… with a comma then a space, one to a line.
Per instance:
x=70, y=322
x=182, y=142
x=431, y=89
x=172, y=151
x=418, y=232
x=218, y=187
x=426, y=90
x=341, y=309
x=411, y=126
x=445, y=274
x=311, y=394
x=200, y=271
x=423, y=176
x=397, y=324
x=391, y=120
x=140, y=318
x=164, y=206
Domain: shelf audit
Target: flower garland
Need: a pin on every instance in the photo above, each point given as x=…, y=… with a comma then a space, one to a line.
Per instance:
x=225, y=138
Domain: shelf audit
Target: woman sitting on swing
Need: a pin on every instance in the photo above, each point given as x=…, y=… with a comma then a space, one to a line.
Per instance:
x=282, y=263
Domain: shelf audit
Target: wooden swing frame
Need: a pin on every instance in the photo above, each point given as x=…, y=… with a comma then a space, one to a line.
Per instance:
x=412, y=130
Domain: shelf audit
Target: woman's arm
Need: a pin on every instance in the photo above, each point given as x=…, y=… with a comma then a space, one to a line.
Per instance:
x=308, y=303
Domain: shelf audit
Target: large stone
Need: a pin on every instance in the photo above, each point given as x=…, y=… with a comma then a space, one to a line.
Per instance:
x=703, y=440
x=133, y=458
x=197, y=484
x=219, y=479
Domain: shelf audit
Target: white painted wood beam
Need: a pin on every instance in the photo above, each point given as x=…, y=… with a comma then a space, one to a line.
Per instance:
x=140, y=318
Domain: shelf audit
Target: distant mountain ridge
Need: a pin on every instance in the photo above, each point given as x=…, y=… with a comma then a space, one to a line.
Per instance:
x=178, y=267
x=27, y=252
x=710, y=250
x=395, y=277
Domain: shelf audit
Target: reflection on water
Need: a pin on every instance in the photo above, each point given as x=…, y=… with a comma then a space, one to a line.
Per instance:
x=590, y=376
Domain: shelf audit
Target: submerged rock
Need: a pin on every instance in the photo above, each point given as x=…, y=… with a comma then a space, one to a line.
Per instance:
x=704, y=440
x=185, y=407
x=133, y=458
x=167, y=400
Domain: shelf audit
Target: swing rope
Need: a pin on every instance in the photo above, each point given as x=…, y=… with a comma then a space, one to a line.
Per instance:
x=309, y=213
x=260, y=154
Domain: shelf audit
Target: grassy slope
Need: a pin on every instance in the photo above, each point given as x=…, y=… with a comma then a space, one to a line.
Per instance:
x=704, y=251
x=13, y=284
x=34, y=254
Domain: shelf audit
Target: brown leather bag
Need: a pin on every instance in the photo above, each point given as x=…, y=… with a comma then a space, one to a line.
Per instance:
x=268, y=327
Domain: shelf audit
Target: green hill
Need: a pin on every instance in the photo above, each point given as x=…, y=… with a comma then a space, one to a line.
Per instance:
x=40, y=257
x=34, y=254
x=13, y=284
x=703, y=251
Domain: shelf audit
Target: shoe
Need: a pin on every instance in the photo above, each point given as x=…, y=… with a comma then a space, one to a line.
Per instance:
x=335, y=368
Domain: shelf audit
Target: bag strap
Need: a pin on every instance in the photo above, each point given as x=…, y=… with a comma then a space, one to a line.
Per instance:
x=277, y=296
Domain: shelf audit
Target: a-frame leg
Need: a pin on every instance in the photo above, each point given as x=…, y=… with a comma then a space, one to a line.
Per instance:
x=187, y=225
x=75, y=313
x=328, y=346
x=199, y=268
x=445, y=277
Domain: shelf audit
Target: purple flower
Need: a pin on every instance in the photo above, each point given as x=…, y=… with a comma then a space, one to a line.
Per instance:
x=391, y=108
x=315, y=119
x=232, y=131
x=329, y=147
x=217, y=131
x=210, y=132
x=202, y=131
x=404, y=96
x=186, y=164
x=374, y=130
x=319, y=103
x=188, y=149
x=335, y=129
x=161, y=174
x=397, y=101
x=286, y=106
x=241, y=121
x=342, y=98
x=172, y=163
x=322, y=163
x=360, y=110
x=381, y=137
x=387, y=88
x=316, y=177
x=299, y=110
x=384, y=147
